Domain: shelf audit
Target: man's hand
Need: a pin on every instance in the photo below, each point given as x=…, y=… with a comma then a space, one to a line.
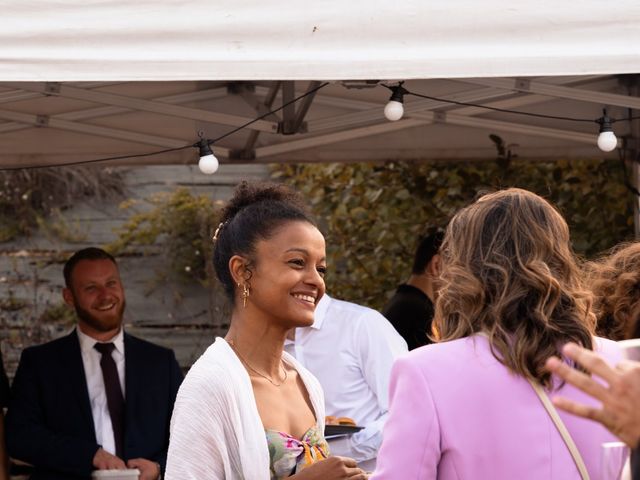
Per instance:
x=148, y=470
x=620, y=412
x=103, y=460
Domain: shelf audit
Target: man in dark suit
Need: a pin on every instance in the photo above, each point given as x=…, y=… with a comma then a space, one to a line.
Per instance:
x=4, y=401
x=97, y=398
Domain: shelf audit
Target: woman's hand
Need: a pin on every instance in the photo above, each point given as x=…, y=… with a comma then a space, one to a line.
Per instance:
x=333, y=468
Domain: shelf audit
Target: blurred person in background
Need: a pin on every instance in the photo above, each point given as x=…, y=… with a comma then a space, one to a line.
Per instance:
x=4, y=403
x=410, y=310
x=615, y=282
x=350, y=349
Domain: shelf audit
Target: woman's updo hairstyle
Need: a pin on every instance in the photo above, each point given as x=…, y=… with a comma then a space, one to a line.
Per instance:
x=254, y=212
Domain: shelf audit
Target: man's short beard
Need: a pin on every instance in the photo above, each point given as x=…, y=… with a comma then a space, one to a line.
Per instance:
x=98, y=325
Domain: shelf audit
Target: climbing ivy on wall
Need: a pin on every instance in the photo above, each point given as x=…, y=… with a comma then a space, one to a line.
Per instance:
x=178, y=225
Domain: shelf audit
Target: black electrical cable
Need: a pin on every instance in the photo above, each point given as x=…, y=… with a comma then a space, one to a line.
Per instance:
x=168, y=150
x=96, y=160
x=307, y=93
x=504, y=110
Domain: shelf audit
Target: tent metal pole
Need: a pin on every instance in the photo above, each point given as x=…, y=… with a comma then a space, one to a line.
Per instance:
x=531, y=86
x=635, y=172
x=285, y=127
x=248, y=152
x=635, y=161
x=298, y=123
x=133, y=103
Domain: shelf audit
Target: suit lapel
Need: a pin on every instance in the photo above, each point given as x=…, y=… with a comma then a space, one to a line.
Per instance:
x=74, y=371
x=132, y=376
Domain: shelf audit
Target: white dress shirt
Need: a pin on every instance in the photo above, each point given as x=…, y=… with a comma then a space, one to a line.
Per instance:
x=95, y=385
x=351, y=349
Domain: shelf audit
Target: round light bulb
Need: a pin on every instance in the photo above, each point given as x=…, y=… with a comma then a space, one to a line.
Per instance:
x=393, y=110
x=208, y=164
x=607, y=141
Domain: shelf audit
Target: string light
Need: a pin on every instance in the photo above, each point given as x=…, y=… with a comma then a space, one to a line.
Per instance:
x=208, y=163
x=606, y=140
x=197, y=145
x=394, y=109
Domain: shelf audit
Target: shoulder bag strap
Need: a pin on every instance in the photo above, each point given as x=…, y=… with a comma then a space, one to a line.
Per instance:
x=562, y=429
x=566, y=436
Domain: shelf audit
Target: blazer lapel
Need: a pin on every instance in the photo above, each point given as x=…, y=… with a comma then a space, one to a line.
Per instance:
x=71, y=357
x=132, y=376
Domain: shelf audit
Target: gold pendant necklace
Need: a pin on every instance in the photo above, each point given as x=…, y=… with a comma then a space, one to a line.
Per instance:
x=233, y=346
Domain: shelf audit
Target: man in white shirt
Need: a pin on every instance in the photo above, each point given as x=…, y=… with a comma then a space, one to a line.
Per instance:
x=97, y=398
x=351, y=349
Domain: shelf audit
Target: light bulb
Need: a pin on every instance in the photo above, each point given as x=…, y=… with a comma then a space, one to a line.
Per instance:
x=393, y=110
x=607, y=141
x=208, y=163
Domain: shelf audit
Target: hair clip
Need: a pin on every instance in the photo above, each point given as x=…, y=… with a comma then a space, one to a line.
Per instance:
x=216, y=234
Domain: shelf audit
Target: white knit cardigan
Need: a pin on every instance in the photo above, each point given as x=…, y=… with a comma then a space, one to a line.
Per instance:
x=216, y=431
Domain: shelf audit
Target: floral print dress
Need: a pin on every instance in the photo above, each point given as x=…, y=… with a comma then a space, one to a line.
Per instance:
x=289, y=455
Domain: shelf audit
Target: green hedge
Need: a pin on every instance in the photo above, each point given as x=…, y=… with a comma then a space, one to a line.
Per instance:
x=372, y=214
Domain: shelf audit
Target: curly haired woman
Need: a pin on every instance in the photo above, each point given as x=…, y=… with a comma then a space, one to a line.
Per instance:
x=615, y=282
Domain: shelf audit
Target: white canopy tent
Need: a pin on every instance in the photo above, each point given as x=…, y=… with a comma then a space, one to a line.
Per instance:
x=100, y=78
x=169, y=40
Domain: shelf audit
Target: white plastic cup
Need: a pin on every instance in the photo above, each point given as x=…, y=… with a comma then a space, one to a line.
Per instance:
x=125, y=474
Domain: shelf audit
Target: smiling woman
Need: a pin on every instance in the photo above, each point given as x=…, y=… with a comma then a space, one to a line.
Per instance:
x=247, y=409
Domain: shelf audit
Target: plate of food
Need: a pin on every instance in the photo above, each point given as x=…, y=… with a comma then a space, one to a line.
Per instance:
x=340, y=426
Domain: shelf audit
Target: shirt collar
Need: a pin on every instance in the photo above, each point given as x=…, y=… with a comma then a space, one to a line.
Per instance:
x=318, y=318
x=321, y=311
x=87, y=342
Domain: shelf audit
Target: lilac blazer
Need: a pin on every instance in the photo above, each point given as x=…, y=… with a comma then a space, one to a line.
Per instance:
x=457, y=413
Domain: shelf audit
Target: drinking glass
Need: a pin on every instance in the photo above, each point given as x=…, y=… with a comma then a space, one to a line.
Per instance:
x=631, y=349
x=613, y=459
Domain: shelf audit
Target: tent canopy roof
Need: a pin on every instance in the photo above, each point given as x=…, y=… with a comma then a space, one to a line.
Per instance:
x=93, y=79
